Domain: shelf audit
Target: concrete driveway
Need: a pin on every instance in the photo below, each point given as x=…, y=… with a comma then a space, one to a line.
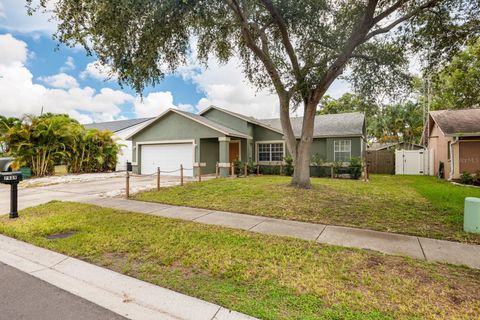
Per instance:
x=80, y=191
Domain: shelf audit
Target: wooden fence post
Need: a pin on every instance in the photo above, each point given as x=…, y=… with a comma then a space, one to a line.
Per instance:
x=246, y=170
x=127, y=185
x=258, y=169
x=181, y=174
x=199, y=172
x=216, y=170
x=232, y=166
x=158, y=178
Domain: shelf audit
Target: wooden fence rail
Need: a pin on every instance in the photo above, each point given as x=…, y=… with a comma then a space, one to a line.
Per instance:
x=381, y=161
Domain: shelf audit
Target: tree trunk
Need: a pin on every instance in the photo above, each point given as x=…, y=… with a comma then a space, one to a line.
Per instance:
x=288, y=133
x=301, y=174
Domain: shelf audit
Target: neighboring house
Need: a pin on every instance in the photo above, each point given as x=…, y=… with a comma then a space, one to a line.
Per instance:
x=453, y=137
x=216, y=135
x=121, y=129
x=376, y=146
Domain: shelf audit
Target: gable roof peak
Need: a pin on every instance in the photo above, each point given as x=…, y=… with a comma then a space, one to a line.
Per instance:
x=457, y=122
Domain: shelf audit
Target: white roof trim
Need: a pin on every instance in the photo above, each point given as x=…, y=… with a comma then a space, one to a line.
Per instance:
x=254, y=121
x=148, y=123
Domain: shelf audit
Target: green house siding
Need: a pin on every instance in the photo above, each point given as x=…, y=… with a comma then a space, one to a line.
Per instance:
x=319, y=146
x=172, y=127
x=209, y=153
x=356, y=147
x=264, y=134
x=227, y=120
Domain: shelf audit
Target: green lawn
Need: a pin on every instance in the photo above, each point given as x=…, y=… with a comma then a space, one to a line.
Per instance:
x=416, y=205
x=264, y=276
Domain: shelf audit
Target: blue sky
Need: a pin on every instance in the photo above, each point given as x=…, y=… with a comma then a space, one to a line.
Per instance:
x=34, y=73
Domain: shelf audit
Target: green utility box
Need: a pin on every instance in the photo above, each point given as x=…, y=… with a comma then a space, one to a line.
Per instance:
x=26, y=172
x=471, y=216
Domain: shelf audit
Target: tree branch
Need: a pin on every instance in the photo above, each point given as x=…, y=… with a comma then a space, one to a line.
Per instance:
x=388, y=11
x=407, y=16
x=364, y=57
x=277, y=17
x=357, y=36
x=261, y=53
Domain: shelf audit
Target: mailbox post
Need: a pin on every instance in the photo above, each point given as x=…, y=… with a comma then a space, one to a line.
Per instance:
x=12, y=178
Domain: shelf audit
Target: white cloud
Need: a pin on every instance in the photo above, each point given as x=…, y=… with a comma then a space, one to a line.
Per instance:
x=61, y=80
x=20, y=95
x=98, y=71
x=14, y=17
x=68, y=65
x=157, y=102
x=13, y=51
x=226, y=86
x=2, y=11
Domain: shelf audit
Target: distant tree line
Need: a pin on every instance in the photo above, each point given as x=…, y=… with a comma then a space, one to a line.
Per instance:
x=41, y=142
x=453, y=86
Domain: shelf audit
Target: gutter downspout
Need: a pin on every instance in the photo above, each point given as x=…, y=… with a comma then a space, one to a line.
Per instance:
x=452, y=157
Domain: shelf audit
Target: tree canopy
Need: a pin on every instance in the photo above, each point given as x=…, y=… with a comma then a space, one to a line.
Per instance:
x=41, y=142
x=391, y=122
x=457, y=85
x=296, y=48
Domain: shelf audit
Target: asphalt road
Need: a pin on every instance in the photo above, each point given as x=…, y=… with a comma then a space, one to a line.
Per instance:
x=25, y=297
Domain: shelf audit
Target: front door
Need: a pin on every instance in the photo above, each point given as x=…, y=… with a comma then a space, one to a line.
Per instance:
x=234, y=152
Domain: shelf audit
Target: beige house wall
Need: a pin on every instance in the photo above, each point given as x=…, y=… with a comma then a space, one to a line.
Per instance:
x=469, y=156
x=456, y=161
x=438, y=143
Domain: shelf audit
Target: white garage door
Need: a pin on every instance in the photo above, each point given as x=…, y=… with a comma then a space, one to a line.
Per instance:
x=168, y=157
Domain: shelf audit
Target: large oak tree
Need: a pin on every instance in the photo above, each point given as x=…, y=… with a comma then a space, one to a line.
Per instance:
x=297, y=48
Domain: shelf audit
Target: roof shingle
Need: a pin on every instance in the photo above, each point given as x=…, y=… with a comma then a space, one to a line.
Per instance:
x=116, y=126
x=458, y=122
x=329, y=125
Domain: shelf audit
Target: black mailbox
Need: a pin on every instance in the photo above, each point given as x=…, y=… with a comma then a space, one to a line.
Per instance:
x=12, y=178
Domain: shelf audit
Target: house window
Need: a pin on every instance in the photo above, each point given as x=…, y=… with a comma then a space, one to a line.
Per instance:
x=342, y=150
x=268, y=152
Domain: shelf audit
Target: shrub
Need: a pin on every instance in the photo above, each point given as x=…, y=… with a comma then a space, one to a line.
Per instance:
x=288, y=166
x=317, y=160
x=251, y=168
x=42, y=142
x=238, y=165
x=355, y=168
x=476, y=178
x=466, y=178
x=270, y=170
x=337, y=167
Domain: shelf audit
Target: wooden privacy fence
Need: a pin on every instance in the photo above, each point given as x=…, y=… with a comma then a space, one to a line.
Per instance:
x=381, y=161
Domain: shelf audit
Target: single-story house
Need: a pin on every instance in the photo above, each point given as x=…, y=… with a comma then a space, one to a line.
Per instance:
x=453, y=137
x=216, y=135
x=121, y=129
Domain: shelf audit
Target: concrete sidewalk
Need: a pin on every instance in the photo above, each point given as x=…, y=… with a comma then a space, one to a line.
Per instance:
x=125, y=296
x=390, y=243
